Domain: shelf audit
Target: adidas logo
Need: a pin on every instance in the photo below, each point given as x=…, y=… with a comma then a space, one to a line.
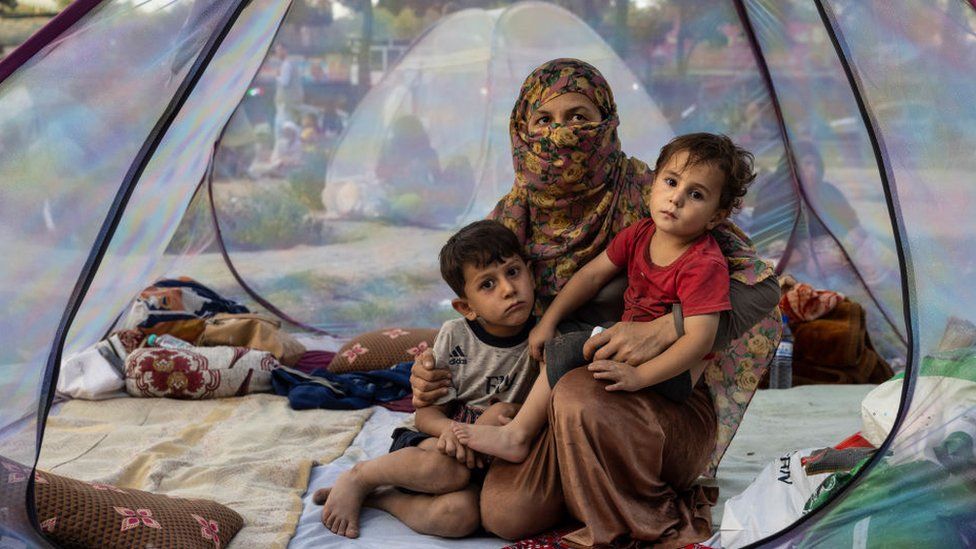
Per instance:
x=457, y=357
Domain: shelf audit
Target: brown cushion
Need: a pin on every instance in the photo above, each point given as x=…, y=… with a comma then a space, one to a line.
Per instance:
x=382, y=349
x=73, y=513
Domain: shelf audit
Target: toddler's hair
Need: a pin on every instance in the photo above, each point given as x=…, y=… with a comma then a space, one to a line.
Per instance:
x=480, y=243
x=718, y=150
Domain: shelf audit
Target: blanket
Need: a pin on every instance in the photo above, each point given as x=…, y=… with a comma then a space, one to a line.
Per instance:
x=252, y=453
x=836, y=348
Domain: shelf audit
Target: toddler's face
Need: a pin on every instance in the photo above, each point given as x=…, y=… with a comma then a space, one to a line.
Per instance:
x=500, y=296
x=685, y=198
x=568, y=109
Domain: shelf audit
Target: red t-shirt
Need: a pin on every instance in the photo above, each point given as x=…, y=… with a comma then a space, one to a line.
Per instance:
x=698, y=279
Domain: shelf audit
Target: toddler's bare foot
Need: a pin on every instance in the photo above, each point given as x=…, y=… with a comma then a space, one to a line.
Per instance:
x=342, y=503
x=505, y=442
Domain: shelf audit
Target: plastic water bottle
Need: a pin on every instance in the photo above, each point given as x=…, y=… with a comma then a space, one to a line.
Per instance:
x=781, y=368
x=167, y=341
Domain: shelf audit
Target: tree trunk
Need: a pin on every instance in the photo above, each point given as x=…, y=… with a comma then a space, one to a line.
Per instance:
x=364, y=47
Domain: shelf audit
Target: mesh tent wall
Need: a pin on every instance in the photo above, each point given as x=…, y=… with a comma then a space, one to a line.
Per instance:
x=118, y=119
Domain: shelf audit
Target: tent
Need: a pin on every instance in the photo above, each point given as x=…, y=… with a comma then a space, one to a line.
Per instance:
x=472, y=59
x=120, y=122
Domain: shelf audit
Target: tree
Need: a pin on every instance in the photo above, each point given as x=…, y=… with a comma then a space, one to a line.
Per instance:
x=698, y=22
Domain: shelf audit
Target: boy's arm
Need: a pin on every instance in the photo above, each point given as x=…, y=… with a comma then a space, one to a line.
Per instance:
x=687, y=351
x=433, y=420
x=581, y=288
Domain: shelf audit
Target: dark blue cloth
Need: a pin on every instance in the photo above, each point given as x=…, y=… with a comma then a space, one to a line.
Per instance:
x=350, y=391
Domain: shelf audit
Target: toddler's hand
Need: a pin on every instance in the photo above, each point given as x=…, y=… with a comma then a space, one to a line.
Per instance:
x=624, y=376
x=537, y=340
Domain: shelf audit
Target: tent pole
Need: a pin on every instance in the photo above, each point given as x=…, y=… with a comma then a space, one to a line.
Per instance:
x=791, y=164
x=884, y=169
x=47, y=34
x=110, y=224
x=797, y=182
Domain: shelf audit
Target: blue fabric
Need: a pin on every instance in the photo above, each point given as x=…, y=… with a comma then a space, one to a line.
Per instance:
x=350, y=391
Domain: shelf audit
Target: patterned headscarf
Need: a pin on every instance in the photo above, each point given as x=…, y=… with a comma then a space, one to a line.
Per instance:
x=574, y=188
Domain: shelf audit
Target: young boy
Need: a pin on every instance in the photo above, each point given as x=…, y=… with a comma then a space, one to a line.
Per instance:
x=671, y=258
x=487, y=353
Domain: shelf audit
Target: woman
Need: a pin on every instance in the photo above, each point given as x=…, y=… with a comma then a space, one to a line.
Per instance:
x=621, y=464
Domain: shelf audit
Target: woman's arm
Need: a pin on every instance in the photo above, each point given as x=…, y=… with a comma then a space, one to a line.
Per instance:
x=750, y=304
x=686, y=352
x=638, y=342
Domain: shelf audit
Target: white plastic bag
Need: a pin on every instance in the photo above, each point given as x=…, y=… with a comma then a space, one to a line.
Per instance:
x=90, y=375
x=772, y=502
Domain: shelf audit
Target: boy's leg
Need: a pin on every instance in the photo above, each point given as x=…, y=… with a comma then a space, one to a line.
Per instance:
x=511, y=442
x=451, y=515
x=421, y=468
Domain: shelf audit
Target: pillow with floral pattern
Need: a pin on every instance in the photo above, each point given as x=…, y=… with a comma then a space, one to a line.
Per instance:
x=382, y=349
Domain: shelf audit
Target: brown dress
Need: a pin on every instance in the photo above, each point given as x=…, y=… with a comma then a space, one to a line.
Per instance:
x=583, y=463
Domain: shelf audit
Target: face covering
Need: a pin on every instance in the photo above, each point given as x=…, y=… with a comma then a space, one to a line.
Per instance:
x=574, y=188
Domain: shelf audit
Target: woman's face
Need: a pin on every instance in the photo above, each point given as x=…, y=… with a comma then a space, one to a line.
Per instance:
x=568, y=109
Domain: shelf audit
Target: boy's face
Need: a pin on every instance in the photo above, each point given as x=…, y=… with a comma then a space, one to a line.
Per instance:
x=685, y=198
x=499, y=296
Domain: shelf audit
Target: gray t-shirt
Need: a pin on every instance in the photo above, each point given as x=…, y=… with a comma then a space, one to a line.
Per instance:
x=485, y=369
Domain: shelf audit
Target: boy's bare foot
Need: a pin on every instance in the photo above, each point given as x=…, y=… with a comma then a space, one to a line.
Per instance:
x=505, y=442
x=342, y=503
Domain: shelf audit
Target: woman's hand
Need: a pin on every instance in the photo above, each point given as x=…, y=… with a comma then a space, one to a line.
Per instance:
x=632, y=342
x=623, y=377
x=428, y=384
x=538, y=338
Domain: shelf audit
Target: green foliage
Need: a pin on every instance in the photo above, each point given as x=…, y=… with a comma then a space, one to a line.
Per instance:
x=16, y=28
x=267, y=219
x=307, y=183
x=351, y=305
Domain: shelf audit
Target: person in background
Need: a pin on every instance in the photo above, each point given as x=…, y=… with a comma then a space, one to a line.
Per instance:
x=289, y=90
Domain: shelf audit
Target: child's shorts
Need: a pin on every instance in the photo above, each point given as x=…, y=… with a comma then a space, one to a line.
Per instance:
x=404, y=437
x=565, y=352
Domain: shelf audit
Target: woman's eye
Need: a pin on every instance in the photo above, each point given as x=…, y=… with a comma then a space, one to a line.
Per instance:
x=542, y=121
x=579, y=118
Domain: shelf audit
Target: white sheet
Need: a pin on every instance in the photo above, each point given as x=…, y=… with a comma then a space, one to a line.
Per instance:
x=377, y=528
x=777, y=421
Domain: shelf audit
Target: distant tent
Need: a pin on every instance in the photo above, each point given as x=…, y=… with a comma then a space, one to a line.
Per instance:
x=455, y=86
x=112, y=115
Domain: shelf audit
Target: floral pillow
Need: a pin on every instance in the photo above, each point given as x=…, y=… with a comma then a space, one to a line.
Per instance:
x=382, y=349
x=73, y=513
x=198, y=373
